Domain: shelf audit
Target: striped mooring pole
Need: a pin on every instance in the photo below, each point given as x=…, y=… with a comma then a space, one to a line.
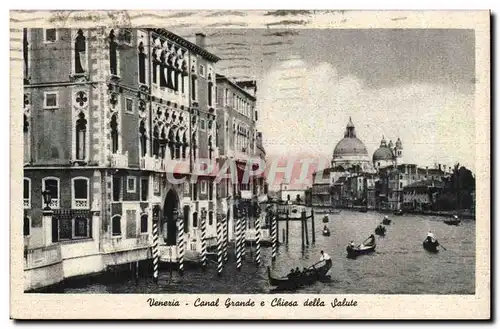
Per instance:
x=203, y=238
x=243, y=237
x=219, y=245
x=156, y=254
x=180, y=245
x=257, y=241
x=237, y=243
x=274, y=237
x=225, y=237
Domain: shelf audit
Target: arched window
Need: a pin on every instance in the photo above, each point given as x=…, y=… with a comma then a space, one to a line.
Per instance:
x=114, y=134
x=195, y=219
x=155, y=61
x=163, y=80
x=177, y=145
x=26, y=226
x=81, y=137
x=210, y=86
x=210, y=218
x=113, y=55
x=144, y=223
x=51, y=184
x=184, y=145
x=116, y=225
x=80, y=52
x=156, y=142
x=26, y=136
x=27, y=193
x=142, y=64
x=143, y=138
x=80, y=193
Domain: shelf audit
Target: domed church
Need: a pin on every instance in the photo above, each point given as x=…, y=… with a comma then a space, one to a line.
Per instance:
x=351, y=151
x=388, y=154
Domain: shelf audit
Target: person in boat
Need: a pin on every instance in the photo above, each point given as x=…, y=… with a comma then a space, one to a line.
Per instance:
x=324, y=256
x=325, y=228
x=430, y=237
x=291, y=275
x=386, y=217
x=351, y=244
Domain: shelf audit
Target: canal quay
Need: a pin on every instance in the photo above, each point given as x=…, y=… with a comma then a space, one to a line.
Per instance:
x=399, y=265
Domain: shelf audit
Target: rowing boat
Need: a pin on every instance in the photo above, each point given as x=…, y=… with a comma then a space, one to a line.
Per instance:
x=353, y=252
x=316, y=272
x=431, y=245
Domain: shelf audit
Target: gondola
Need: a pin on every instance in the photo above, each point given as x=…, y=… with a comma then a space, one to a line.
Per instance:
x=399, y=213
x=326, y=232
x=315, y=273
x=353, y=252
x=364, y=209
x=325, y=219
x=454, y=221
x=431, y=245
x=380, y=230
x=386, y=221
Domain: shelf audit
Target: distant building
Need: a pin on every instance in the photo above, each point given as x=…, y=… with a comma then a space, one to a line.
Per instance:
x=292, y=195
x=421, y=195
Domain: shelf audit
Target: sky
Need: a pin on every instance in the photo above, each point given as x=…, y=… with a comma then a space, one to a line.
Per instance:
x=414, y=84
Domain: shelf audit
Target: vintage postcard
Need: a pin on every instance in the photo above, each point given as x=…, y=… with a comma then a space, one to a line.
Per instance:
x=272, y=164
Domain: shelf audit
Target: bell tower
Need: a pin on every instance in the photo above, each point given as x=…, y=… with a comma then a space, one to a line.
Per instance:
x=398, y=151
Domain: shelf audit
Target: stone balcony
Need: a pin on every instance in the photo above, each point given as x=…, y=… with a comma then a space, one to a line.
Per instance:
x=119, y=160
x=152, y=163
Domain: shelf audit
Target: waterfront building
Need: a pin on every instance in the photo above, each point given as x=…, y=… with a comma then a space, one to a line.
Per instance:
x=238, y=142
x=292, y=195
x=421, y=195
x=109, y=114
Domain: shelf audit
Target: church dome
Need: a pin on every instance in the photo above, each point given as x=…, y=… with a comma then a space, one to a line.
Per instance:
x=382, y=154
x=350, y=145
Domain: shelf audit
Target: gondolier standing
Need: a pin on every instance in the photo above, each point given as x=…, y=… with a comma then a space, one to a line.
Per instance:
x=325, y=257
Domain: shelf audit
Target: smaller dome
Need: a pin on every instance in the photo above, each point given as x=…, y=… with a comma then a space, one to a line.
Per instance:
x=382, y=154
x=399, y=144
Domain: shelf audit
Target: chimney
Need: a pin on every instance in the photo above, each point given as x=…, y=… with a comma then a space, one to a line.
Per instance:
x=200, y=40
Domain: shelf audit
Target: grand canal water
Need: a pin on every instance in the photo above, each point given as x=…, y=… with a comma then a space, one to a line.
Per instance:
x=399, y=266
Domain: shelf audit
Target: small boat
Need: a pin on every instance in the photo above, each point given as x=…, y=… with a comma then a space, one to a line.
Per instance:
x=326, y=231
x=454, y=221
x=325, y=219
x=386, y=221
x=315, y=273
x=431, y=245
x=399, y=213
x=353, y=252
x=380, y=230
x=364, y=209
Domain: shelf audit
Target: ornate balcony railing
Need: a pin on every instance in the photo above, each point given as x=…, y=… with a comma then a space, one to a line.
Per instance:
x=119, y=160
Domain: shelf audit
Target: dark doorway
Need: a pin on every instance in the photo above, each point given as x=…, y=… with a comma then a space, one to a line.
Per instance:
x=168, y=223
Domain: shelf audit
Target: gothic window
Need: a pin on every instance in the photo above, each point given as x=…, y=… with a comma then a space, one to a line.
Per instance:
x=210, y=218
x=51, y=184
x=142, y=64
x=210, y=148
x=81, y=137
x=80, y=193
x=195, y=191
x=184, y=145
x=163, y=81
x=116, y=225
x=80, y=51
x=144, y=223
x=26, y=136
x=170, y=71
x=210, y=96
x=193, y=148
x=142, y=138
x=27, y=193
x=156, y=142
x=193, y=87
x=195, y=219
x=155, y=66
x=113, y=54
x=117, y=188
x=26, y=226
x=177, y=145
x=171, y=143
x=144, y=188
x=114, y=134
x=211, y=191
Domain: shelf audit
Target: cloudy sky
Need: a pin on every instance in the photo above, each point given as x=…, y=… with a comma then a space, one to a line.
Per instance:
x=414, y=84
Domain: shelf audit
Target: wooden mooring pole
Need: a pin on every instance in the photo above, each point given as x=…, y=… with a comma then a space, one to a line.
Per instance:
x=305, y=227
x=302, y=232
x=313, y=233
x=287, y=219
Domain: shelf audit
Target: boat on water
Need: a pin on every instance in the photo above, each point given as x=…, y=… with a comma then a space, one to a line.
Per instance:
x=325, y=219
x=364, y=209
x=368, y=246
x=431, y=245
x=453, y=221
x=326, y=231
x=399, y=213
x=380, y=230
x=386, y=221
x=314, y=273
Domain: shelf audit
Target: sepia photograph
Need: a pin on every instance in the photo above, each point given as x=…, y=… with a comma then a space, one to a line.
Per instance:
x=232, y=155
